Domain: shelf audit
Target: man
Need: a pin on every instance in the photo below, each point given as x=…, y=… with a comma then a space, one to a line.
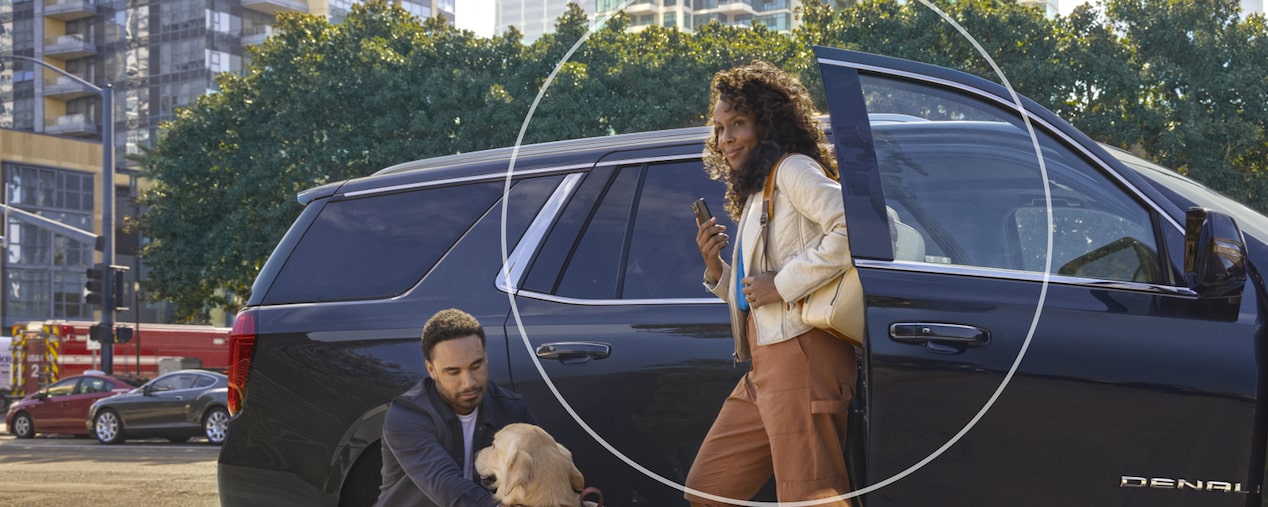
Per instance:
x=432, y=432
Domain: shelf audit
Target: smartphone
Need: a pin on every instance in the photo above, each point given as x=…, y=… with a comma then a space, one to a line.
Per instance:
x=702, y=211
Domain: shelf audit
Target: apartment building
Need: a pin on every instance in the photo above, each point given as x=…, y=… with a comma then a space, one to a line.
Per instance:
x=157, y=55
x=688, y=14
x=533, y=18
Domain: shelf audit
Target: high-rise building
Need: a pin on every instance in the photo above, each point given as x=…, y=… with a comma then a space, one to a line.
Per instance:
x=688, y=14
x=157, y=55
x=533, y=18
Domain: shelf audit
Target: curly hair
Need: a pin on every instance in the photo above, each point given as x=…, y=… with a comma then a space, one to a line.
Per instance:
x=447, y=325
x=785, y=119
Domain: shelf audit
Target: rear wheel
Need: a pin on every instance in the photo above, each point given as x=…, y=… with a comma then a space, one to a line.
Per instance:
x=361, y=486
x=22, y=425
x=107, y=427
x=216, y=425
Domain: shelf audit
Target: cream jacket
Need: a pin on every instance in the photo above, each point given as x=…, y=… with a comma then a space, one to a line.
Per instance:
x=808, y=247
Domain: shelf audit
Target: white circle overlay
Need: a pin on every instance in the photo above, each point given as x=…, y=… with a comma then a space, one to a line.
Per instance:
x=513, y=290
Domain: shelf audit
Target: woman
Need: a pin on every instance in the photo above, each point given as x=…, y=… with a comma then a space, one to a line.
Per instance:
x=787, y=416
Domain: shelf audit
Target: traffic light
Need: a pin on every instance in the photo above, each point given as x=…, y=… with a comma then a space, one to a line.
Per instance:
x=122, y=334
x=118, y=286
x=94, y=286
x=99, y=333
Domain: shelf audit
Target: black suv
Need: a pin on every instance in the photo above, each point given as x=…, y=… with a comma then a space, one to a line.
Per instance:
x=1137, y=383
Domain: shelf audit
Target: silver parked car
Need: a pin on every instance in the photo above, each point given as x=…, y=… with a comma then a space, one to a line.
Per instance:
x=179, y=405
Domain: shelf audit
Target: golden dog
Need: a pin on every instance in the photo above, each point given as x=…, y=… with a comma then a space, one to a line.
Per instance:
x=526, y=467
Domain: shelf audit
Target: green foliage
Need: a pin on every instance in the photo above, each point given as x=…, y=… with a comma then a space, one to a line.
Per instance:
x=321, y=103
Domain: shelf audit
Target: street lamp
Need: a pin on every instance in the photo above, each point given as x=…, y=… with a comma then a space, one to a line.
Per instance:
x=106, y=245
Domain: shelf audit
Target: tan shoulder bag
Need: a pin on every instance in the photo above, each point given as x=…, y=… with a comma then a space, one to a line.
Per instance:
x=836, y=306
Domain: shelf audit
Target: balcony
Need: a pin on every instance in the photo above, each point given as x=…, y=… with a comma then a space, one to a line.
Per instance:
x=727, y=7
x=68, y=47
x=64, y=88
x=76, y=125
x=275, y=6
x=255, y=36
x=69, y=10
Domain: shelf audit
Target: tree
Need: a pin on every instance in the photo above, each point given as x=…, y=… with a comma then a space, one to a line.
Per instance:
x=323, y=103
x=320, y=103
x=1205, y=89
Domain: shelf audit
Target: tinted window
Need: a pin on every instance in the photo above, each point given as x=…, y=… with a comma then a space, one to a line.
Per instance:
x=972, y=192
x=380, y=245
x=593, y=270
x=543, y=276
x=664, y=261
x=173, y=382
x=637, y=238
x=203, y=381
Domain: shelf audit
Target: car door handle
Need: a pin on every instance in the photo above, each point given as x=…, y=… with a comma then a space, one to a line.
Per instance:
x=944, y=338
x=574, y=352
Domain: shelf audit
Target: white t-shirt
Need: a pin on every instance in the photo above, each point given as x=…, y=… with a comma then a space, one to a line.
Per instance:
x=468, y=434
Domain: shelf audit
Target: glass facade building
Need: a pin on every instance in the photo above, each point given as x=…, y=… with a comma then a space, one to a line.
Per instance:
x=157, y=55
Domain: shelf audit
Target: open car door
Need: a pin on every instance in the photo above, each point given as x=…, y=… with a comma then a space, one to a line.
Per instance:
x=1130, y=380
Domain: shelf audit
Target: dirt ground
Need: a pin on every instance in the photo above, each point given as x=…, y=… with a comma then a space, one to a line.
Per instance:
x=74, y=472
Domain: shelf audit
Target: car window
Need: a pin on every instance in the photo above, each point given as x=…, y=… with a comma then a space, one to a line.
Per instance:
x=380, y=245
x=637, y=235
x=664, y=261
x=92, y=385
x=63, y=388
x=593, y=271
x=201, y=381
x=173, y=382
x=965, y=182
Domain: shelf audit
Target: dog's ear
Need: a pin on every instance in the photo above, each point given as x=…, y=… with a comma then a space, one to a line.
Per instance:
x=574, y=476
x=518, y=474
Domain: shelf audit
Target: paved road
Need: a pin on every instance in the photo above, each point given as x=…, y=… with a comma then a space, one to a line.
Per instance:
x=72, y=472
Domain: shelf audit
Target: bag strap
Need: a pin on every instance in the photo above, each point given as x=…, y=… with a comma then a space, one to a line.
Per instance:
x=768, y=206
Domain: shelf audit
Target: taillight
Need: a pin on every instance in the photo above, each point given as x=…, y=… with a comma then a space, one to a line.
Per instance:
x=241, y=345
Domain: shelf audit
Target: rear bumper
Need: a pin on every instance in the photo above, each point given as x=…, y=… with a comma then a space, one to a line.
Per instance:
x=241, y=486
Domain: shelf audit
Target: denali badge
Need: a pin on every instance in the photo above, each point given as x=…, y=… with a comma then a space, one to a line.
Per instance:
x=1130, y=481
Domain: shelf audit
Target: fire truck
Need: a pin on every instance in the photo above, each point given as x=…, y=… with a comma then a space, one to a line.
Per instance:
x=43, y=352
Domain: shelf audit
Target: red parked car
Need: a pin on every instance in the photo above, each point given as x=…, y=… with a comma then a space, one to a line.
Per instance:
x=61, y=407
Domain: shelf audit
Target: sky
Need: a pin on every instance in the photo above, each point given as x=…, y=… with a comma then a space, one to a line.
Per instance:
x=477, y=15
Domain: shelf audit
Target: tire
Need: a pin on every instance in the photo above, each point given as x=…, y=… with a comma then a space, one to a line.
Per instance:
x=23, y=427
x=361, y=485
x=178, y=440
x=107, y=427
x=216, y=425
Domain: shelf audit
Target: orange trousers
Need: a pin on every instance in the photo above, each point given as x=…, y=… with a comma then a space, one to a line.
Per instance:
x=787, y=416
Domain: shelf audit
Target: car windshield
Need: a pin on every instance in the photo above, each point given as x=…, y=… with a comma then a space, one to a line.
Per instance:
x=1193, y=193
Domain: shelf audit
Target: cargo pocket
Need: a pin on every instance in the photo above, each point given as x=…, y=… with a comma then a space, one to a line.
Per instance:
x=829, y=407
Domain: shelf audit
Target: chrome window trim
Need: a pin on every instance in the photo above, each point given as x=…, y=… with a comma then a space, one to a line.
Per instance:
x=1013, y=107
x=512, y=272
x=647, y=160
x=1025, y=276
x=516, y=173
x=617, y=302
x=466, y=179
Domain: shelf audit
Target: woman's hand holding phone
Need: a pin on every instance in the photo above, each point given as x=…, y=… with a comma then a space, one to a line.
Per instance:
x=711, y=238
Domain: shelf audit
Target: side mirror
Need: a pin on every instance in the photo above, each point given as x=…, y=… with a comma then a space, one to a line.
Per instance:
x=1214, y=254
x=41, y=395
x=147, y=389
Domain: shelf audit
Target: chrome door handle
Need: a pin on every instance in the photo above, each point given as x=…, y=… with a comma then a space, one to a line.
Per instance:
x=574, y=352
x=946, y=338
